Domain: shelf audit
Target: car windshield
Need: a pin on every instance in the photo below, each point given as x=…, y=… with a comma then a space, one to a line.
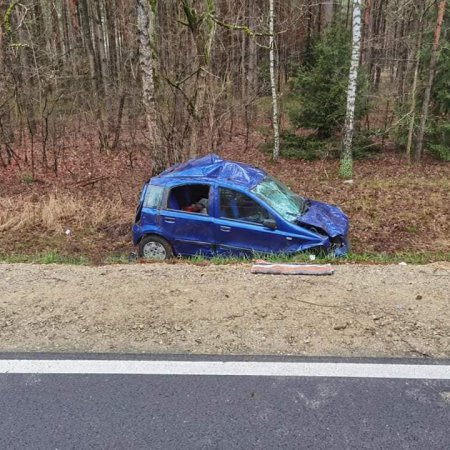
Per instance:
x=288, y=204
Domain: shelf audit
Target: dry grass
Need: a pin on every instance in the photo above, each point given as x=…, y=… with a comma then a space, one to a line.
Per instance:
x=57, y=212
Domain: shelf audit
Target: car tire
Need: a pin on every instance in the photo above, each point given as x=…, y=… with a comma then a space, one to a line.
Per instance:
x=155, y=248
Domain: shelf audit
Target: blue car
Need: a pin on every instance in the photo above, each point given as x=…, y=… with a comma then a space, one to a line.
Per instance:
x=210, y=206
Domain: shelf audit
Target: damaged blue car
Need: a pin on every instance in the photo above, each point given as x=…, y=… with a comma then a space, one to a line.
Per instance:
x=211, y=206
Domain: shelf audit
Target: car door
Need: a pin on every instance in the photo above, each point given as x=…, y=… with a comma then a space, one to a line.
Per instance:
x=190, y=233
x=239, y=225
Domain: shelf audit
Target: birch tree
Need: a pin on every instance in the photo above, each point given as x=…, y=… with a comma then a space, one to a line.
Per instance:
x=346, y=169
x=273, y=85
x=146, y=33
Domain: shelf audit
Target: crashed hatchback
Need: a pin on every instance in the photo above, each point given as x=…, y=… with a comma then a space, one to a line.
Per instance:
x=211, y=206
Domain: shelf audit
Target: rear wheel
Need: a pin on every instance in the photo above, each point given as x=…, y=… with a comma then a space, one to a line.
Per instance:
x=155, y=248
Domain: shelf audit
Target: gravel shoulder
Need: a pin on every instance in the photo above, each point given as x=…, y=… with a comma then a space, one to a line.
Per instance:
x=184, y=308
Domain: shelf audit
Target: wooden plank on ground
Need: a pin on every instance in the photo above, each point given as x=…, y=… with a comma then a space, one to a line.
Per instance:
x=292, y=269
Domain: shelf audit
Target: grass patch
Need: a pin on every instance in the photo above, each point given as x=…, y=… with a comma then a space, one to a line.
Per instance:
x=119, y=259
x=396, y=258
x=50, y=257
x=53, y=257
x=216, y=260
x=357, y=258
x=27, y=178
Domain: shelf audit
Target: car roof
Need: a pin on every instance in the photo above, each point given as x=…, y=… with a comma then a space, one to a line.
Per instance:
x=212, y=168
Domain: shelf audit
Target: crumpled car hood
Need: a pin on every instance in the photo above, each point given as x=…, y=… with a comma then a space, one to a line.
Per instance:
x=328, y=218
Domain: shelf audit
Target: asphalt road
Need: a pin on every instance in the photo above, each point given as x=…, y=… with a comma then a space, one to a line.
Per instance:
x=42, y=409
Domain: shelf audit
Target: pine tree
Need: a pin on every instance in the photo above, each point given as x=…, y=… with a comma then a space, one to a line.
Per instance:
x=321, y=86
x=438, y=130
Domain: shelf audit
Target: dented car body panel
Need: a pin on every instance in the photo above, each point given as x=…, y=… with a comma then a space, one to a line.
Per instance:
x=247, y=212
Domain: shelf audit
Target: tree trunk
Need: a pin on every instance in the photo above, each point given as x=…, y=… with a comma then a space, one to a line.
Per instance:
x=2, y=54
x=89, y=46
x=347, y=14
x=346, y=169
x=273, y=86
x=203, y=31
x=326, y=14
x=412, y=110
x=252, y=67
x=145, y=24
x=432, y=70
x=367, y=34
x=60, y=27
x=99, y=34
x=111, y=11
x=50, y=42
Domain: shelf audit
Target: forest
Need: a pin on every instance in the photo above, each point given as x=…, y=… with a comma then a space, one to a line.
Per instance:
x=347, y=101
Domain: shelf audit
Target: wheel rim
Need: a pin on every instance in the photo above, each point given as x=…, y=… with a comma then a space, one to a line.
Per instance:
x=154, y=250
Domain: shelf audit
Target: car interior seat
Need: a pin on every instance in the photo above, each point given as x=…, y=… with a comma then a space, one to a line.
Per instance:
x=173, y=202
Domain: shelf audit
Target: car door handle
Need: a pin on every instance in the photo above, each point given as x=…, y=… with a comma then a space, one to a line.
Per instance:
x=169, y=220
x=224, y=228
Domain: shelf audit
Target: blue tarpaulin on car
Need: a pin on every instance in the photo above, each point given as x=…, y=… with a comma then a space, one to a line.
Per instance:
x=214, y=167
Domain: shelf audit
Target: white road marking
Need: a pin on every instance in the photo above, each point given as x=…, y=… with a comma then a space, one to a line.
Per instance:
x=230, y=368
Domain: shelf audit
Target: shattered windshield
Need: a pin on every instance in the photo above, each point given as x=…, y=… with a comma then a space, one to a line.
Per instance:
x=288, y=204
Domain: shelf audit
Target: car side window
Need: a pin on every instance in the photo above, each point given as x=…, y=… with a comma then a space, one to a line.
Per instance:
x=238, y=206
x=192, y=198
x=153, y=196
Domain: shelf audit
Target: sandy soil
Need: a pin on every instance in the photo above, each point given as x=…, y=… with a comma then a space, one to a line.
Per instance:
x=360, y=310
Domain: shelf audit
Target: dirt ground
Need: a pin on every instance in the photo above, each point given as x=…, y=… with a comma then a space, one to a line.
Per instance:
x=184, y=308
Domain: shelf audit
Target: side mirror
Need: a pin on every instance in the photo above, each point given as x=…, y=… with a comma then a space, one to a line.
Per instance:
x=270, y=223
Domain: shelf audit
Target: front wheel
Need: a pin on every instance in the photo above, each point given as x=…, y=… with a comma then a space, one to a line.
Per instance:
x=155, y=248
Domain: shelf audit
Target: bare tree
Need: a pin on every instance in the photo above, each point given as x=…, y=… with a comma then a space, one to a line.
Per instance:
x=146, y=31
x=199, y=20
x=193, y=75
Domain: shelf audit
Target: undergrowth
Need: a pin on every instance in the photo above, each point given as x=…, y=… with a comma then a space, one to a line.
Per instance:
x=310, y=148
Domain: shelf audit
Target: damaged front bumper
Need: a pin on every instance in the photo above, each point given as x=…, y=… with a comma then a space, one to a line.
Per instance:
x=330, y=221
